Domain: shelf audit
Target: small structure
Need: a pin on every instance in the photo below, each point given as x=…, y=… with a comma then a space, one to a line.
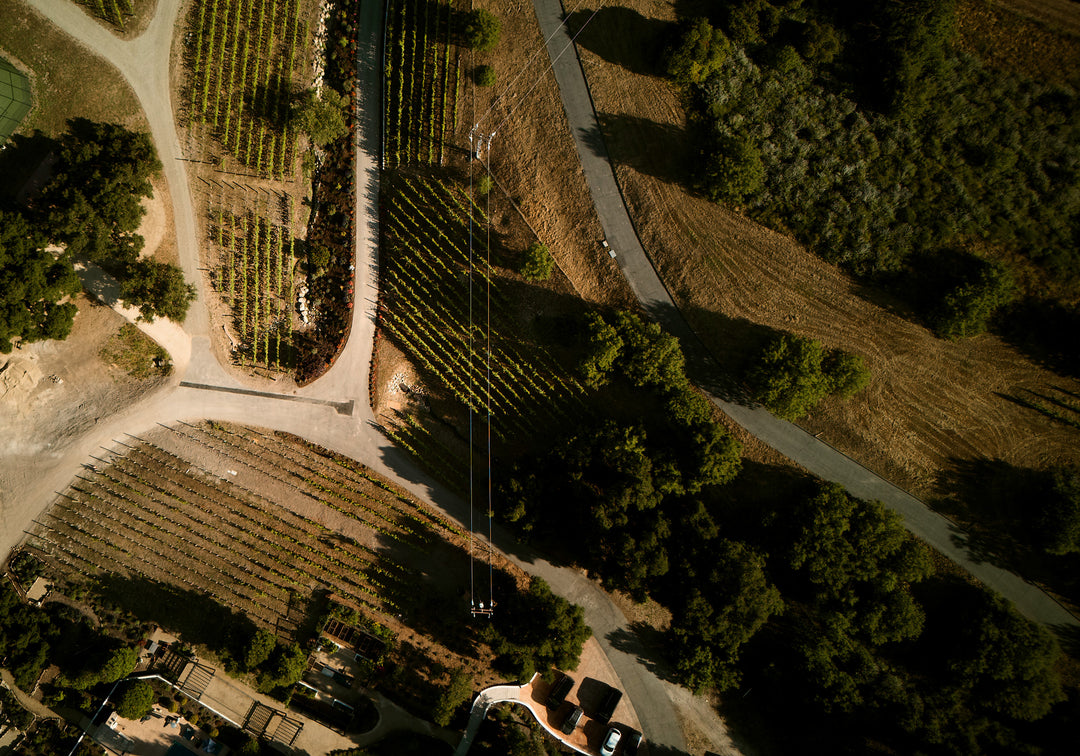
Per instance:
x=15, y=101
x=38, y=591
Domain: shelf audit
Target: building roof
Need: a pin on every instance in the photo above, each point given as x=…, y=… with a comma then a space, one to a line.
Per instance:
x=15, y=99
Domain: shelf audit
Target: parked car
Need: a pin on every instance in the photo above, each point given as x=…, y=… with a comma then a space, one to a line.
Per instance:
x=571, y=720
x=610, y=742
x=559, y=690
x=607, y=705
x=631, y=742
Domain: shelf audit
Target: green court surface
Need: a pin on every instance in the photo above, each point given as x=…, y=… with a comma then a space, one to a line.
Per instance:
x=14, y=99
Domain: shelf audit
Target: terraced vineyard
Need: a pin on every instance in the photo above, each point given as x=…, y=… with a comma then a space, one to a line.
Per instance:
x=242, y=56
x=256, y=259
x=422, y=82
x=253, y=518
x=426, y=302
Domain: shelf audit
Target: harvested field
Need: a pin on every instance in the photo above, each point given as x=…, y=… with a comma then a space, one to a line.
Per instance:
x=932, y=403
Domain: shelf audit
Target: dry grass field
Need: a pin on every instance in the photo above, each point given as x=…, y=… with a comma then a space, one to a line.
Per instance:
x=932, y=403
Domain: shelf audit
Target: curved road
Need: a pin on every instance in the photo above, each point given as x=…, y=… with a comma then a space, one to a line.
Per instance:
x=788, y=439
x=333, y=411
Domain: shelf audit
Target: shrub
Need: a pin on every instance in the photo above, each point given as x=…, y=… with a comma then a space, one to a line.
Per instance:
x=482, y=30
x=793, y=374
x=700, y=52
x=484, y=76
x=967, y=309
x=537, y=264
x=484, y=184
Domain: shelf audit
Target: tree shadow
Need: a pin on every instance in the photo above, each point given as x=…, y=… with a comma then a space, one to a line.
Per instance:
x=733, y=347
x=998, y=505
x=1045, y=331
x=663, y=151
x=645, y=643
x=623, y=37
x=20, y=161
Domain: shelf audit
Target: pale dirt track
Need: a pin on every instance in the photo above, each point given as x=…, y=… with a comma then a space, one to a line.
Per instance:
x=1063, y=15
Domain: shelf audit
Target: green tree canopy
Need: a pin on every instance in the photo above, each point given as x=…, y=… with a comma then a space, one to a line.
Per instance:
x=861, y=562
x=457, y=692
x=537, y=263
x=321, y=116
x=136, y=700
x=157, y=289
x=699, y=53
x=262, y=644
x=536, y=630
x=285, y=667
x=732, y=171
x=481, y=30
x=92, y=204
x=968, y=308
x=32, y=284
x=720, y=615
x=793, y=374
x=1057, y=523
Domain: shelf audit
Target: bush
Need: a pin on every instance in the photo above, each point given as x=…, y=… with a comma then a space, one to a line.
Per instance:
x=537, y=264
x=458, y=691
x=967, y=309
x=733, y=171
x=484, y=76
x=484, y=184
x=482, y=30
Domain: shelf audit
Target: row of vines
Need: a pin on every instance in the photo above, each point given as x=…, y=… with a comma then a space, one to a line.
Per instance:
x=439, y=317
x=197, y=508
x=255, y=279
x=112, y=11
x=422, y=82
x=242, y=56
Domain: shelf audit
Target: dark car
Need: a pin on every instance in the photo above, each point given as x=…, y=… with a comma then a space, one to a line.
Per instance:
x=607, y=705
x=559, y=690
x=571, y=720
x=631, y=742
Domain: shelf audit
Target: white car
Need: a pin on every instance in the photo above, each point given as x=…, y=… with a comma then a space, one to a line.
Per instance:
x=611, y=741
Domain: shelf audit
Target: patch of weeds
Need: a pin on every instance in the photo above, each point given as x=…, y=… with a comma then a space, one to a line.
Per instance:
x=135, y=353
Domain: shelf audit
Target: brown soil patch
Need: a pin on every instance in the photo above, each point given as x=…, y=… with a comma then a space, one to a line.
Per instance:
x=38, y=422
x=66, y=81
x=930, y=402
x=1061, y=15
x=156, y=229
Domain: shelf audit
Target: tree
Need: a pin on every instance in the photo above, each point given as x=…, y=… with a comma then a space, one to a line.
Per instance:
x=967, y=309
x=286, y=667
x=700, y=52
x=458, y=691
x=788, y=377
x=535, y=630
x=1058, y=521
x=482, y=30
x=793, y=374
x=158, y=289
x=537, y=264
x=860, y=561
x=603, y=346
x=259, y=649
x=136, y=701
x=321, y=116
x=721, y=615
x=484, y=76
x=732, y=171
x=33, y=284
x=107, y=669
x=92, y=204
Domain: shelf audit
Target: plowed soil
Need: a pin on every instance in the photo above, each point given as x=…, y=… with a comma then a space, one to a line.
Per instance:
x=931, y=402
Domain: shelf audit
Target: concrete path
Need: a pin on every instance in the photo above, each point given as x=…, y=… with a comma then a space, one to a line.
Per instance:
x=787, y=438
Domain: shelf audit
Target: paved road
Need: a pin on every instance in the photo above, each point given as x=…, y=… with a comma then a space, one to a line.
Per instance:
x=144, y=61
x=788, y=439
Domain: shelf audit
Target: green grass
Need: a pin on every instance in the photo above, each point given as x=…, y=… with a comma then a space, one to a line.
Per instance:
x=67, y=81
